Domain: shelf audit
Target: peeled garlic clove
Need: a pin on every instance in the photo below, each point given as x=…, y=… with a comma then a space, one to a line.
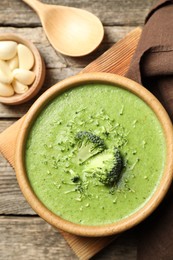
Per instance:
x=6, y=90
x=24, y=76
x=19, y=88
x=8, y=50
x=26, y=58
x=13, y=63
x=5, y=73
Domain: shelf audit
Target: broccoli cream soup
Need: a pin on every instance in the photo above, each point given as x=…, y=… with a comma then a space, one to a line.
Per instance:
x=95, y=154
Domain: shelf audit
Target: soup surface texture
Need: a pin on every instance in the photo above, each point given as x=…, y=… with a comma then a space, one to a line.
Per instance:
x=123, y=121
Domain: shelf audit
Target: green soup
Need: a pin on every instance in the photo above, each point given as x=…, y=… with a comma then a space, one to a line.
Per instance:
x=119, y=118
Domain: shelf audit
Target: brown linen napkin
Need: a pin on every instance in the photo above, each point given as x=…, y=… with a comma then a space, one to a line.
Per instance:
x=152, y=66
x=152, y=63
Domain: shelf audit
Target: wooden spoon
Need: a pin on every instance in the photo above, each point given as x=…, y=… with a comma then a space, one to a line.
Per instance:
x=71, y=31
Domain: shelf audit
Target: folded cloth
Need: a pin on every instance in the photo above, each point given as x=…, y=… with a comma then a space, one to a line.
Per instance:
x=152, y=66
x=152, y=63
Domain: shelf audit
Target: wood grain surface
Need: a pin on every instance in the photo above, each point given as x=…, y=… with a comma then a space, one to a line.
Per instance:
x=23, y=235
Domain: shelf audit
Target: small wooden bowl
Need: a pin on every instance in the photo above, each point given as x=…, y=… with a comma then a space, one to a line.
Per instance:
x=147, y=208
x=38, y=68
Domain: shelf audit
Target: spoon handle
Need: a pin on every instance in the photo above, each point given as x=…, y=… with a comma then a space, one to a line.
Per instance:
x=35, y=4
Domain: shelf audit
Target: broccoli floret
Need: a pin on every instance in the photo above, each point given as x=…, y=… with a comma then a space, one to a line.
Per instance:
x=88, y=145
x=106, y=167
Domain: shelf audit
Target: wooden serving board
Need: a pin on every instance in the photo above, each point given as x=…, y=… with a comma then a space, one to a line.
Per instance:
x=116, y=60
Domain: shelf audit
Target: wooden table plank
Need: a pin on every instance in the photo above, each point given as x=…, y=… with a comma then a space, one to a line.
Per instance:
x=112, y=12
x=12, y=202
x=32, y=238
x=54, y=59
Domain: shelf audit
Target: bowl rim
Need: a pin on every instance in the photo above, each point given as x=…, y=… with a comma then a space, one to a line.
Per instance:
x=149, y=206
x=38, y=68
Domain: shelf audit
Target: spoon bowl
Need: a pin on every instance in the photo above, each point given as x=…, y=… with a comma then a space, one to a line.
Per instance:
x=71, y=31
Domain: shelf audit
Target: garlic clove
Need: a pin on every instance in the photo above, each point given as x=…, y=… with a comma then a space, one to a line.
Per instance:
x=5, y=73
x=8, y=50
x=26, y=57
x=13, y=63
x=19, y=88
x=6, y=90
x=24, y=76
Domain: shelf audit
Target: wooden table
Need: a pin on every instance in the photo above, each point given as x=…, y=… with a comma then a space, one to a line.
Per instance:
x=24, y=235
